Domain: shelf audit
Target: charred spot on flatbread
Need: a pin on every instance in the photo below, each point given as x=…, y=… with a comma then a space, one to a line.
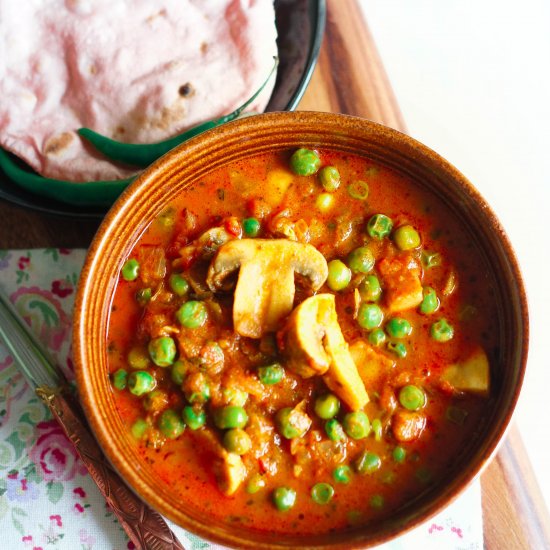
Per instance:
x=186, y=90
x=57, y=144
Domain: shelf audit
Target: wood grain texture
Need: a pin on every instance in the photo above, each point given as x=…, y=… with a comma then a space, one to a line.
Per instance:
x=350, y=78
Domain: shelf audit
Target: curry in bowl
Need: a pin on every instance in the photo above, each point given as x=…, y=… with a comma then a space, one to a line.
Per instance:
x=303, y=341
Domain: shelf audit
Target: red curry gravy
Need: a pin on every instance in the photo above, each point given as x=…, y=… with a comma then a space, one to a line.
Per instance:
x=293, y=207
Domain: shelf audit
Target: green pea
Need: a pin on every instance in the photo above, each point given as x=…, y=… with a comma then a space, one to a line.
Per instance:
x=342, y=474
x=376, y=502
x=367, y=463
x=387, y=478
x=335, y=430
x=120, y=378
x=305, y=162
x=178, y=284
x=406, y=237
x=441, y=331
x=397, y=327
x=139, y=427
x=234, y=396
x=237, y=441
x=369, y=316
x=292, y=423
x=284, y=498
x=430, y=259
x=329, y=176
x=324, y=202
x=361, y=260
x=143, y=296
x=141, y=382
x=155, y=401
x=379, y=226
x=357, y=425
x=377, y=429
x=130, y=270
x=162, y=351
x=195, y=388
x=171, y=424
x=138, y=358
x=359, y=190
x=398, y=348
x=322, y=493
x=377, y=337
x=194, y=418
x=178, y=371
x=271, y=374
x=230, y=417
x=327, y=406
x=370, y=289
x=339, y=275
x=399, y=454
x=412, y=397
x=192, y=314
x=430, y=301
x=251, y=227
x=255, y=483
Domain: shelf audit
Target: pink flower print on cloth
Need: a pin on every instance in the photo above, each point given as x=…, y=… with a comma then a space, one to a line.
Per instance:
x=54, y=455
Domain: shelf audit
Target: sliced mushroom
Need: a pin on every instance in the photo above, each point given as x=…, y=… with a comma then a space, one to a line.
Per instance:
x=313, y=344
x=470, y=375
x=264, y=294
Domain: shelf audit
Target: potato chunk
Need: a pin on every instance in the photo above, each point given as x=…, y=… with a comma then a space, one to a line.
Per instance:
x=401, y=282
x=313, y=344
x=470, y=375
x=371, y=364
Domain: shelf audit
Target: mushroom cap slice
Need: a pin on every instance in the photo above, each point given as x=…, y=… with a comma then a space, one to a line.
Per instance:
x=313, y=344
x=265, y=289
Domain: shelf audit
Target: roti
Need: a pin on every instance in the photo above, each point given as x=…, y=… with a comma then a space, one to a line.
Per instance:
x=138, y=71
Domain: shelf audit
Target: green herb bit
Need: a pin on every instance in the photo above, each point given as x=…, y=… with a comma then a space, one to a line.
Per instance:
x=143, y=296
x=322, y=493
x=377, y=502
x=130, y=270
x=423, y=474
x=284, y=498
x=441, y=331
x=359, y=190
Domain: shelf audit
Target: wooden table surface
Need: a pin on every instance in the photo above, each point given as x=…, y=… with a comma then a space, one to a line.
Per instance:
x=349, y=78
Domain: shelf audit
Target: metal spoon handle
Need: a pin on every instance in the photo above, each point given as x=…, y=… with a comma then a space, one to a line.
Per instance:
x=145, y=527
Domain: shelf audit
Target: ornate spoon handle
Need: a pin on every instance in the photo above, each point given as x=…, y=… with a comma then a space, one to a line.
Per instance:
x=145, y=527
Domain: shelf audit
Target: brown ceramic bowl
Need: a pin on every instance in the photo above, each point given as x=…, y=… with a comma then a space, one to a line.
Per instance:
x=141, y=202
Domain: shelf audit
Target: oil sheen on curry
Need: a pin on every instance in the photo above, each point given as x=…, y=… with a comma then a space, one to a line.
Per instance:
x=301, y=342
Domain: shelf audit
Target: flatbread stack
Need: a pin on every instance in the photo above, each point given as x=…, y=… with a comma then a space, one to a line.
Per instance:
x=138, y=71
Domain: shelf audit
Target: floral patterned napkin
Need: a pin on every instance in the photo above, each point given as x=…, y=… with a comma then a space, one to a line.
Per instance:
x=47, y=499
